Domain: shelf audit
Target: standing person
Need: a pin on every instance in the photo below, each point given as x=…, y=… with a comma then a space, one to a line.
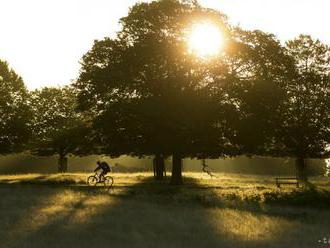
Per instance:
x=104, y=166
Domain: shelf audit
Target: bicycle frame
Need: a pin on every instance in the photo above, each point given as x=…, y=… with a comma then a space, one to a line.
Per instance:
x=97, y=175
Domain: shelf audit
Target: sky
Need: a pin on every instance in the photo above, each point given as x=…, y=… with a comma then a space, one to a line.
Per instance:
x=44, y=40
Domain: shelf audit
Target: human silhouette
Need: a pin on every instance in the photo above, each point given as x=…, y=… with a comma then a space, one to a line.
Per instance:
x=104, y=166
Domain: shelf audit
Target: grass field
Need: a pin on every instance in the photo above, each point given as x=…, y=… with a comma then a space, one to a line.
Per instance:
x=53, y=210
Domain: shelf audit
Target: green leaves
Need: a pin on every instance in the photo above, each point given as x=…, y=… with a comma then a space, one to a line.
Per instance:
x=310, y=55
x=15, y=113
x=306, y=110
x=148, y=95
x=57, y=127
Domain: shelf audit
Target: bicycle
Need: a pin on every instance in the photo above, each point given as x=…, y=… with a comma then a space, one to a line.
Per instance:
x=95, y=179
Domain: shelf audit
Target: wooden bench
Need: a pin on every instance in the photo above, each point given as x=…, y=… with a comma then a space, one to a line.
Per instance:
x=286, y=180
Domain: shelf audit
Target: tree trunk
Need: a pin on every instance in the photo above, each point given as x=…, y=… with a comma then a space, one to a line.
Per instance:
x=176, y=178
x=159, y=167
x=301, y=169
x=62, y=164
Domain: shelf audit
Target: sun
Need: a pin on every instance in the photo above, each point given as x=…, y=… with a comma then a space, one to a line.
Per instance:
x=205, y=40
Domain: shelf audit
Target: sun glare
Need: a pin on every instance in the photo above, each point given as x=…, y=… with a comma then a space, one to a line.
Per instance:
x=205, y=40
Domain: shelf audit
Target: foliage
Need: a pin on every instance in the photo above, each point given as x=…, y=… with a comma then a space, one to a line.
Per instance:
x=57, y=127
x=305, y=114
x=252, y=72
x=150, y=94
x=14, y=111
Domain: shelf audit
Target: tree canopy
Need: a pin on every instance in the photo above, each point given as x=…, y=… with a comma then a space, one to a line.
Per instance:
x=149, y=95
x=15, y=113
x=57, y=128
x=303, y=131
x=306, y=112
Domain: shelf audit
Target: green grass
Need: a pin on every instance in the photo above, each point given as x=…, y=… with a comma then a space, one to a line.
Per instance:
x=55, y=210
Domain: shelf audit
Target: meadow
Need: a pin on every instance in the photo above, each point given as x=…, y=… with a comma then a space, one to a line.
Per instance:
x=229, y=210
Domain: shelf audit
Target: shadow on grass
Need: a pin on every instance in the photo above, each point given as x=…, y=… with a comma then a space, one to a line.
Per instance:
x=233, y=196
x=148, y=214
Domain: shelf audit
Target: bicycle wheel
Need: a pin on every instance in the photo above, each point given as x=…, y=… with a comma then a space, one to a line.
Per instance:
x=108, y=181
x=92, y=180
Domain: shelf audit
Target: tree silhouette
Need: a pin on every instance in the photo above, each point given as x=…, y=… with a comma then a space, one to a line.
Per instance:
x=305, y=114
x=258, y=69
x=57, y=127
x=283, y=96
x=14, y=111
x=150, y=95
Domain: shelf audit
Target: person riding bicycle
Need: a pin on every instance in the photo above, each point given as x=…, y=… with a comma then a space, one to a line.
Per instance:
x=104, y=167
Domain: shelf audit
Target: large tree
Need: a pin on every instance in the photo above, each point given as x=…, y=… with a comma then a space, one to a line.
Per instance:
x=304, y=130
x=14, y=111
x=282, y=94
x=57, y=128
x=258, y=69
x=151, y=96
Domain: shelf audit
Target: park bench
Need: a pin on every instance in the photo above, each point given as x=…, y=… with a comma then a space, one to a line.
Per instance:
x=286, y=180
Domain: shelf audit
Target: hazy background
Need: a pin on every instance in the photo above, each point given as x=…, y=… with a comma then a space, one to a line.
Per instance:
x=24, y=163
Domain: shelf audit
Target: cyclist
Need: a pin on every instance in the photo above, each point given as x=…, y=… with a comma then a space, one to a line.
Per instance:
x=104, y=167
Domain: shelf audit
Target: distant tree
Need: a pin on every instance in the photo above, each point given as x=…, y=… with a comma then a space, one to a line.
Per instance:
x=150, y=96
x=14, y=111
x=305, y=114
x=57, y=128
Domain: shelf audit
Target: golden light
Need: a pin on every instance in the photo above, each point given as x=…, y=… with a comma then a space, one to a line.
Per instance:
x=205, y=40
